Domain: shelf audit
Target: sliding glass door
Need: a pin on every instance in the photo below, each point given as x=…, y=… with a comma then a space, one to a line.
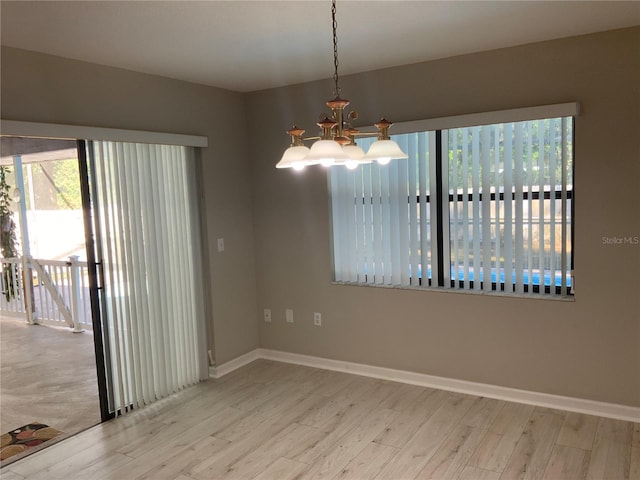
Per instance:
x=147, y=268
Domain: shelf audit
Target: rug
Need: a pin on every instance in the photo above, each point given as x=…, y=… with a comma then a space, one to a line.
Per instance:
x=26, y=437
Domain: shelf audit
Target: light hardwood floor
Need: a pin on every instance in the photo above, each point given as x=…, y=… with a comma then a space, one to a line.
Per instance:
x=270, y=420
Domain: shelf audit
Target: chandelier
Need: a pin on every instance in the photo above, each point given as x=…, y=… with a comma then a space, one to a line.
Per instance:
x=337, y=145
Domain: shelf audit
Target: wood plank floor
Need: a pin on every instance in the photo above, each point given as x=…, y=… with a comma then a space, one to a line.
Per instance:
x=270, y=420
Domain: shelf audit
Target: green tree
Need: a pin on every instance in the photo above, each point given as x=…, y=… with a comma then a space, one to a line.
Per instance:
x=67, y=182
x=8, y=240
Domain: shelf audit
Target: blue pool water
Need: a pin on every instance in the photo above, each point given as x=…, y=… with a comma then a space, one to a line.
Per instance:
x=535, y=277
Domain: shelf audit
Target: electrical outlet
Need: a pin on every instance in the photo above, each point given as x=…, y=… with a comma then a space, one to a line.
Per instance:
x=317, y=319
x=289, y=315
x=267, y=315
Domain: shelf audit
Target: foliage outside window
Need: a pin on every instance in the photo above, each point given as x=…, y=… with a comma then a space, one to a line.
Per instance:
x=8, y=241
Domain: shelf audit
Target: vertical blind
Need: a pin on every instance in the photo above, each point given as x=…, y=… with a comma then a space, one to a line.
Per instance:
x=146, y=222
x=382, y=217
x=509, y=211
x=505, y=211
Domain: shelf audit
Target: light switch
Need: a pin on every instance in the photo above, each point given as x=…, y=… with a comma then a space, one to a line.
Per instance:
x=221, y=244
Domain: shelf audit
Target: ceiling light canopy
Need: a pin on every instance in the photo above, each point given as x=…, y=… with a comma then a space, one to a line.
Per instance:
x=337, y=145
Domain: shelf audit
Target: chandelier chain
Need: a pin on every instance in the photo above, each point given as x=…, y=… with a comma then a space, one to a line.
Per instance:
x=335, y=48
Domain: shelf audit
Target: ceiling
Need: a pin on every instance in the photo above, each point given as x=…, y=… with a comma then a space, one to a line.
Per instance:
x=253, y=45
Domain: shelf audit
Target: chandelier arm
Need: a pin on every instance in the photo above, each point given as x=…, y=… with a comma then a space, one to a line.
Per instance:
x=365, y=134
x=359, y=134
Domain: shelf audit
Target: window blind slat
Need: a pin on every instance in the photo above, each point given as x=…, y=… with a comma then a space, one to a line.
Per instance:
x=454, y=190
x=344, y=222
x=519, y=212
x=156, y=271
x=359, y=225
x=508, y=208
x=530, y=233
x=486, y=209
x=168, y=187
x=445, y=253
x=117, y=265
x=353, y=227
x=403, y=220
x=541, y=260
x=475, y=159
x=423, y=188
x=336, y=231
x=110, y=267
x=151, y=289
x=368, y=223
x=465, y=207
x=386, y=224
x=142, y=307
x=554, y=130
x=172, y=161
x=346, y=227
x=433, y=210
x=183, y=265
x=395, y=205
x=132, y=279
x=124, y=247
x=409, y=145
x=376, y=220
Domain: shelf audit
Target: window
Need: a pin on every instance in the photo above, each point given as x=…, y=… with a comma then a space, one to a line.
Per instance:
x=485, y=208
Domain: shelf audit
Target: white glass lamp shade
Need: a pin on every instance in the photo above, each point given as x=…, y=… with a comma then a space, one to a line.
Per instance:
x=384, y=151
x=356, y=156
x=326, y=153
x=294, y=157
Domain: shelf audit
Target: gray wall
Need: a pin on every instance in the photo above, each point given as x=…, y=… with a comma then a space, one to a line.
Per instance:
x=44, y=88
x=587, y=348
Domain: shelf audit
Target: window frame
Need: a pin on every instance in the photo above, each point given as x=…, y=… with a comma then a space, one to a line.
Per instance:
x=445, y=281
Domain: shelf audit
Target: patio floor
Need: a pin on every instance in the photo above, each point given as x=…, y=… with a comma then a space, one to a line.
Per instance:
x=48, y=375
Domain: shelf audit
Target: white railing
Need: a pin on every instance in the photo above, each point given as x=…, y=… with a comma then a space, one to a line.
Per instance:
x=60, y=292
x=11, y=292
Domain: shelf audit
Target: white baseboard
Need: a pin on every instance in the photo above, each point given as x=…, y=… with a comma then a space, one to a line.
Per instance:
x=572, y=404
x=236, y=363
